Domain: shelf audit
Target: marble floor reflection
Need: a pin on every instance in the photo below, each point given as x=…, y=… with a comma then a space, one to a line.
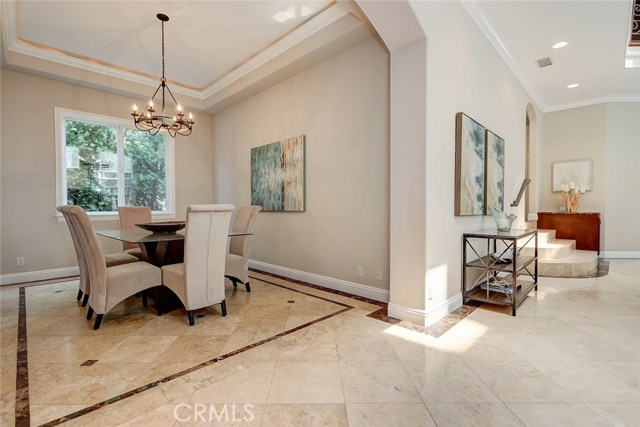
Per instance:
x=288, y=354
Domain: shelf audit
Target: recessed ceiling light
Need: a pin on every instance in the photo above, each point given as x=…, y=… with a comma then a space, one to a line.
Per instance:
x=559, y=45
x=572, y=85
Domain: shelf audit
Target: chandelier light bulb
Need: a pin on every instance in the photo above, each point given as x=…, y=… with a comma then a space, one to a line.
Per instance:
x=190, y=116
x=135, y=108
x=151, y=103
x=180, y=108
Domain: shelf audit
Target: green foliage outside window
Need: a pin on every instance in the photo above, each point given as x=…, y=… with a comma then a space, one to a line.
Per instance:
x=92, y=175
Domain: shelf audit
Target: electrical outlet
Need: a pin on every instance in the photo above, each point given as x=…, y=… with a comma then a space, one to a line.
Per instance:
x=359, y=271
x=20, y=261
x=378, y=274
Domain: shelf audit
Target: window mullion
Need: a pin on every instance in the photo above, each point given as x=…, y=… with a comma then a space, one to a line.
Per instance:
x=120, y=149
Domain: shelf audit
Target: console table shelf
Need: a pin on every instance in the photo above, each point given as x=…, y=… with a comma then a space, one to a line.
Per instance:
x=496, y=279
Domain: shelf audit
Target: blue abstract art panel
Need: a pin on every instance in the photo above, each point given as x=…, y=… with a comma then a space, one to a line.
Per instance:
x=495, y=171
x=277, y=175
x=470, y=167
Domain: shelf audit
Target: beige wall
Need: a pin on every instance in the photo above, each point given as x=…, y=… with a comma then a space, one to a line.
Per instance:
x=464, y=74
x=609, y=135
x=28, y=224
x=341, y=105
x=575, y=134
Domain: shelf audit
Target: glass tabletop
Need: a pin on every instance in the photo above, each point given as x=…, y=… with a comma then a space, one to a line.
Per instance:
x=136, y=235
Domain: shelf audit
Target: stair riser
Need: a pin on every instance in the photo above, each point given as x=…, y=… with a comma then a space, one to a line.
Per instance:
x=549, y=253
x=568, y=270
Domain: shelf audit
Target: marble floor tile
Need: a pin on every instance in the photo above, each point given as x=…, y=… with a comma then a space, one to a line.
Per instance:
x=557, y=414
x=251, y=385
x=619, y=414
x=519, y=382
x=448, y=382
x=366, y=348
x=305, y=415
x=306, y=382
x=192, y=348
x=41, y=414
x=474, y=415
x=320, y=349
x=377, y=382
x=389, y=414
x=535, y=347
x=588, y=382
x=627, y=371
x=65, y=349
x=138, y=349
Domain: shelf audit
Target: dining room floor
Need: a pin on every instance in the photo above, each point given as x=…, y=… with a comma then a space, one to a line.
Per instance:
x=290, y=354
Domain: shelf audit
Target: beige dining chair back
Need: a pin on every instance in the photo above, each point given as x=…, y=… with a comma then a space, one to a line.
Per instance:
x=129, y=217
x=199, y=280
x=82, y=263
x=109, y=285
x=237, y=260
x=110, y=259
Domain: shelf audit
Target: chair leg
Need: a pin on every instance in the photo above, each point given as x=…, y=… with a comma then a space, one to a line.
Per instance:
x=96, y=326
x=223, y=305
x=233, y=281
x=79, y=294
x=89, y=313
x=85, y=300
x=145, y=301
x=246, y=285
x=191, y=319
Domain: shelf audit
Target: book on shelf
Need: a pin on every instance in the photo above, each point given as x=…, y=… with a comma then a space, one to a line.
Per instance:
x=506, y=288
x=503, y=257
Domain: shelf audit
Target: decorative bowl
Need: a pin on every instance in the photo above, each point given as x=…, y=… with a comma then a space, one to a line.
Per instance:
x=163, y=227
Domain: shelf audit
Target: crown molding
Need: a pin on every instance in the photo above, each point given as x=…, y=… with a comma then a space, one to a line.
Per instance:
x=334, y=12
x=594, y=101
x=478, y=14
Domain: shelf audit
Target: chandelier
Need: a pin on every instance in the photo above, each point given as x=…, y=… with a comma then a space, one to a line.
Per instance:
x=153, y=123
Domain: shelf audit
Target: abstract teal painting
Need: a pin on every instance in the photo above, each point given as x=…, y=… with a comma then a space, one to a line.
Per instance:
x=277, y=175
x=494, y=173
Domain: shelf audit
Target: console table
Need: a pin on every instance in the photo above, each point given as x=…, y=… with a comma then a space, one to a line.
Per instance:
x=583, y=227
x=504, y=279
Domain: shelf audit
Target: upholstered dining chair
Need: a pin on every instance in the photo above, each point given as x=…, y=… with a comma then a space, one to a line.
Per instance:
x=110, y=259
x=129, y=217
x=237, y=260
x=199, y=280
x=109, y=285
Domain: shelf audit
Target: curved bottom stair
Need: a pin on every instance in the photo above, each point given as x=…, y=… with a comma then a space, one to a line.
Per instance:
x=560, y=258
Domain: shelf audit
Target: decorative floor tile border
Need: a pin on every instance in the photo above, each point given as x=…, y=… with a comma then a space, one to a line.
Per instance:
x=436, y=330
x=22, y=384
x=22, y=376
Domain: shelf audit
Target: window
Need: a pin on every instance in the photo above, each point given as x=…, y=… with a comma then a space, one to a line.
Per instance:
x=104, y=162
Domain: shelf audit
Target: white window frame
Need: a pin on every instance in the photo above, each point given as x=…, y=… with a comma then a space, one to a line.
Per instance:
x=62, y=115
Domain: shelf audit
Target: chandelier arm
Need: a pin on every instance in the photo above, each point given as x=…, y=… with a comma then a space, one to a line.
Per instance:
x=171, y=93
x=156, y=92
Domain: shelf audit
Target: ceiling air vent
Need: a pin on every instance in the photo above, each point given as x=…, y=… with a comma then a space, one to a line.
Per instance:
x=544, y=62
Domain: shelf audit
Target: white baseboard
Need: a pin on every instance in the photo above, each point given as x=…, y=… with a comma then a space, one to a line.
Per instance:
x=34, y=276
x=422, y=317
x=620, y=254
x=327, y=282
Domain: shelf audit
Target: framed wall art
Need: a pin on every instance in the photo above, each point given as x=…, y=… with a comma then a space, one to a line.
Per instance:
x=494, y=187
x=278, y=175
x=577, y=172
x=470, y=166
